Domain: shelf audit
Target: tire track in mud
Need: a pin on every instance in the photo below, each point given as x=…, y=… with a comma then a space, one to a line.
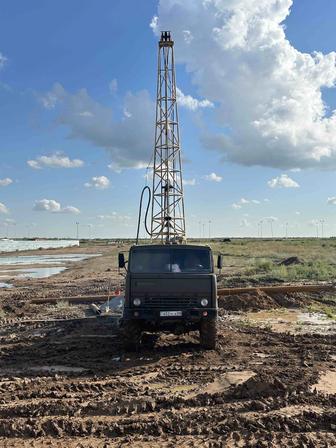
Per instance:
x=174, y=394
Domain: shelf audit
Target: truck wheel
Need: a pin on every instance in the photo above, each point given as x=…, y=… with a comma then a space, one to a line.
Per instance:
x=208, y=334
x=131, y=336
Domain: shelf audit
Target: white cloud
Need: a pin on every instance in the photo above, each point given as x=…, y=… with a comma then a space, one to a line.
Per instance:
x=114, y=216
x=191, y=103
x=154, y=23
x=298, y=213
x=55, y=161
x=6, y=181
x=113, y=86
x=191, y=182
x=70, y=209
x=270, y=218
x=332, y=200
x=236, y=205
x=3, y=208
x=244, y=201
x=213, y=177
x=99, y=182
x=127, y=139
x=3, y=61
x=50, y=205
x=283, y=181
x=269, y=94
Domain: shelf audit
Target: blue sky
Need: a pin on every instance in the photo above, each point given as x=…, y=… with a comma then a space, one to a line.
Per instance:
x=77, y=82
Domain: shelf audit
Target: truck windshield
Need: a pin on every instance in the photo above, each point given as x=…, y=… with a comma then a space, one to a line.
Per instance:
x=170, y=260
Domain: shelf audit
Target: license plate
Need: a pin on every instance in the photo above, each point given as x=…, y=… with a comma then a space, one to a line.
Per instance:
x=170, y=313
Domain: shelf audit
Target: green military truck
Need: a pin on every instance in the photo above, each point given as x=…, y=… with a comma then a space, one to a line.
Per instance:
x=170, y=288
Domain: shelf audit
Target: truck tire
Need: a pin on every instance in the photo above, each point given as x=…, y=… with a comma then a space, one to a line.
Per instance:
x=208, y=334
x=131, y=336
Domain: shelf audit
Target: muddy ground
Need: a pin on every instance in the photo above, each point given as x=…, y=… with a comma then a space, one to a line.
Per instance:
x=70, y=384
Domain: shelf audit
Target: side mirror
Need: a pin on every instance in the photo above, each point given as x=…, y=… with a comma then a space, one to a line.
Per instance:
x=220, y=261
x=121, y=260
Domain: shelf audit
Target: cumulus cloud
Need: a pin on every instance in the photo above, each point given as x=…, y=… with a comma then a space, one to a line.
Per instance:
x=243, y=201
x=191, y=103
x=268, y=94
x=283, y=181
x=191, y=182
x=213, y=177
x=126, y=138
x=55, y=161
x=99, y=182
x=3, y=208
x=5, y=182
x=332, y=200
x=50, y=205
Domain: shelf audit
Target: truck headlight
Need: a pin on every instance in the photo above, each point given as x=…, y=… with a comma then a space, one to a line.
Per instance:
x=137, y=302
x=204, y=302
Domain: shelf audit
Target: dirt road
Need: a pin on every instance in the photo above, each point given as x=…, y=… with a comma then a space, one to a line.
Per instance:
x=69, y=384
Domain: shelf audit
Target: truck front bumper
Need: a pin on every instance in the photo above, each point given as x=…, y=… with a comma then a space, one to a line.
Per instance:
x=153, y=315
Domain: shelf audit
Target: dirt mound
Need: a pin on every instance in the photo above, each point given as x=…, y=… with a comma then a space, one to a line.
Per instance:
x=259, y=300
x=290, y=261
x=247, y=302
x=259, y=387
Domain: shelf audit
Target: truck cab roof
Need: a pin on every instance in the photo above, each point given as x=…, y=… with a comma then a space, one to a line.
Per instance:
x=171, y=246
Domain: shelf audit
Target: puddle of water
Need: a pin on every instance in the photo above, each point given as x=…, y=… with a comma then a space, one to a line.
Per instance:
x=58, y=369
x=34, y=272
x=326, y=383
x=43, y=259
x=38, y=272
x=293, y=321
x=5, y=285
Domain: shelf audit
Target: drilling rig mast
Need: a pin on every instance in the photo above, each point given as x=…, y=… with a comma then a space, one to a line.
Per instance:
x=168, y=221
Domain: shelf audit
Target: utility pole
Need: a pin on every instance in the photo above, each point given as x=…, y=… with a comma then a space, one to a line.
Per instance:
x=322, y=227
x=168, y=220
x=200, y=229
x=271, y=224
x=261, y=228
x=77, y=230
x=209, y=229
x=286, y=229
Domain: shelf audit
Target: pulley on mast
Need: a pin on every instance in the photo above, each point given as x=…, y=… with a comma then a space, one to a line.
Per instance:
x=168, y=220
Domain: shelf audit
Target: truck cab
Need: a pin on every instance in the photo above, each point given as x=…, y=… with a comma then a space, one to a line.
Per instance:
x=170, y=288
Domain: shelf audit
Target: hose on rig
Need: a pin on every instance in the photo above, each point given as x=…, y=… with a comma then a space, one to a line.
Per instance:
x=146, y=213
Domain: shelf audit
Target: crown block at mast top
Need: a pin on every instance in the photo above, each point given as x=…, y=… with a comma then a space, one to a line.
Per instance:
x=166, y=40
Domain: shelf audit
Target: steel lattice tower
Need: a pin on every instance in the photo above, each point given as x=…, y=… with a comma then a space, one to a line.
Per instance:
x=168, y=221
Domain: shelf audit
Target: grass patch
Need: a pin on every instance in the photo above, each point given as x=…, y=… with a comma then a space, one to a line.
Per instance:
x=319, y=270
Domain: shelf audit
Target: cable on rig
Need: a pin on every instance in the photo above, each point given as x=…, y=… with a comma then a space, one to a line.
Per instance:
x=146, y=213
